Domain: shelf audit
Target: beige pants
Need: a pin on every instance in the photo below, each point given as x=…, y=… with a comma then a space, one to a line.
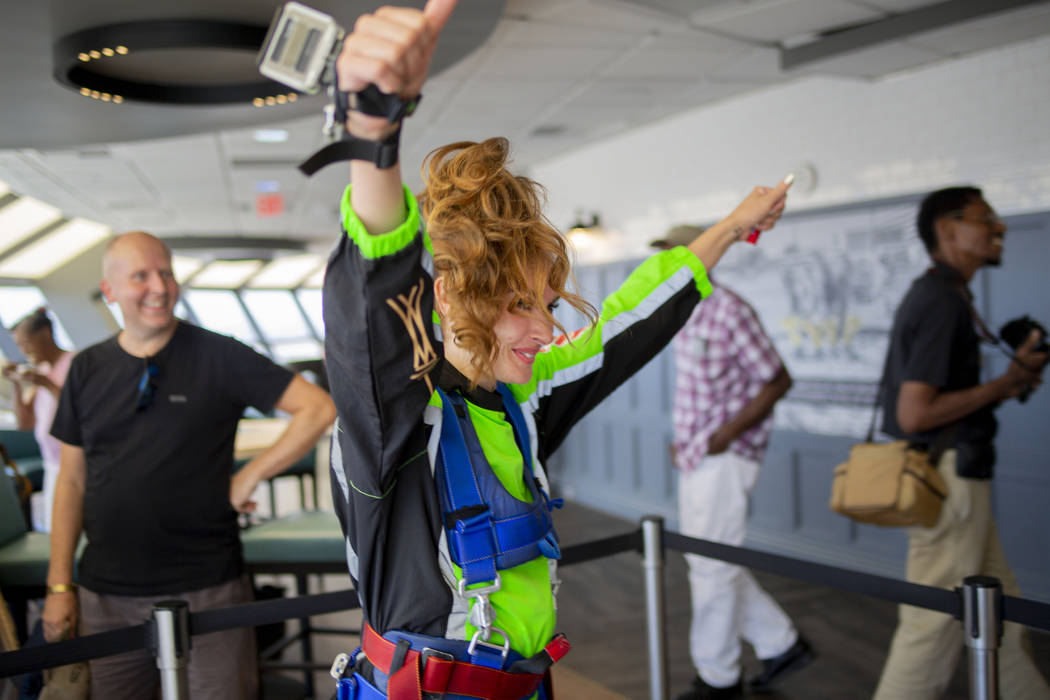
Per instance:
x=927, y=644
x=223, y=665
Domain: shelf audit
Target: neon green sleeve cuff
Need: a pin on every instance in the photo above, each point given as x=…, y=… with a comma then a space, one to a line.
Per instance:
x=703, y=284
x=383, y=244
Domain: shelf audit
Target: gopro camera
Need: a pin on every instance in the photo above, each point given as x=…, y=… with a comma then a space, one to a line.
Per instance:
x=300, y=51
x=300, y=48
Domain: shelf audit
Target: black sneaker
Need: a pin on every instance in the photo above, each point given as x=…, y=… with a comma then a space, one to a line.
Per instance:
x=702, y=691
x=799, y=656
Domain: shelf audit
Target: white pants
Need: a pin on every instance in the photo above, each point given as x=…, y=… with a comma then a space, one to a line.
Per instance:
x=728, y=604
x=40, y=503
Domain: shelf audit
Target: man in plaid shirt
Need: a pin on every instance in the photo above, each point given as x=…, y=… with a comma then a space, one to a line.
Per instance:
x=729, y=376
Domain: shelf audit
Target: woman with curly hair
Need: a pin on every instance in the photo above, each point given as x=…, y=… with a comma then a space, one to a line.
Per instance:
x=454, y=383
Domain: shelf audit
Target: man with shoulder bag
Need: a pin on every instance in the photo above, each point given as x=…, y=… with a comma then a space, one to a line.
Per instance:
x=932, y=385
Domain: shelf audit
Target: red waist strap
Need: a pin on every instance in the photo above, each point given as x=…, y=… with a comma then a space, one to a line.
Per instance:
x=439, y=675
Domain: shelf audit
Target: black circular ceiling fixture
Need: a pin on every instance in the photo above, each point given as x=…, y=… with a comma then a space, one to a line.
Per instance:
x=186, y=62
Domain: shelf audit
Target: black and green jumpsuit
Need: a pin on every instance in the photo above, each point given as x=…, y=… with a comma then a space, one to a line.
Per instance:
x=384, y=357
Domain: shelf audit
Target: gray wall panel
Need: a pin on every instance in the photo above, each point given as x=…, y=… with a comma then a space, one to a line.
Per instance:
x=617, y=458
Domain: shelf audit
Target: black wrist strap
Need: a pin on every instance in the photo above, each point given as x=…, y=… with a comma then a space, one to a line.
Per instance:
x=382, y=153
x=374, y=103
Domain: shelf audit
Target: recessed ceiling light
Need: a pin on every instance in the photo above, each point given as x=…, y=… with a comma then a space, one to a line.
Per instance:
x=270, y=135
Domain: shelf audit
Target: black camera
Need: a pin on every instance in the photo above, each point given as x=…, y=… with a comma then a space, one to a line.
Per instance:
x=1015, y=332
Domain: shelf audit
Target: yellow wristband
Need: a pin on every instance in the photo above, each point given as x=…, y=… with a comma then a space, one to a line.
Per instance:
x=62, y=588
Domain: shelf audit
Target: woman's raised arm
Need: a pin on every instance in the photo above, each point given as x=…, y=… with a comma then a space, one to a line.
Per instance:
x=391, y=49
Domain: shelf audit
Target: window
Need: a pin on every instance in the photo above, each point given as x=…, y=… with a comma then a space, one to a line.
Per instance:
x=17, y=302
x=311, y=301
x=296, y=350
x=181, y=311
x=276, y=314
x=220, y=311
x=282, y=324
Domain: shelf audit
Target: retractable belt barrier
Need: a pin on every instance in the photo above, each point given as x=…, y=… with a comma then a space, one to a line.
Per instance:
x=141, y=636
x=651, y=535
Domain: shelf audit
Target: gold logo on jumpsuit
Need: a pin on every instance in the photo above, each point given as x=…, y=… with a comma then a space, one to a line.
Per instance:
x=408, y=310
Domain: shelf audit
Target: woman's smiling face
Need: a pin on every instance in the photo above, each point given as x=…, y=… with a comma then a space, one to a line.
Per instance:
x=521, y=332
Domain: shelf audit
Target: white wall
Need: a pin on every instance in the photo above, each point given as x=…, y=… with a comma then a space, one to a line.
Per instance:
x=983, y=119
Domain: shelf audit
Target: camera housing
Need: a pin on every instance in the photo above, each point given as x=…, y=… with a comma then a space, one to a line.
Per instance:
x=300, y=51
x=300, y=48
x=1015, y=332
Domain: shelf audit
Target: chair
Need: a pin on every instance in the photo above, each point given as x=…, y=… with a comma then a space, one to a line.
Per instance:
x=305, y=467
x=301, y=544
x=23, y=449
x=24, y=555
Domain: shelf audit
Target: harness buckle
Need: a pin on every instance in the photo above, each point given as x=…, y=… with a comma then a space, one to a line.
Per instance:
x=480, y=640
x=339, y=666
x=426, y=655
x=429, y=653
x=482, y=615
x=481, y=590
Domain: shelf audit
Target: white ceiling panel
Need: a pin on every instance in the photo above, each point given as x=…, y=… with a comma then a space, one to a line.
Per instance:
x=528, y=33
x=610, y=15
x=632, y=95
x=546, y=63
x=100, y=177
x=777, y=20
x=183, y=167
x=754, y=67
x=662, y=60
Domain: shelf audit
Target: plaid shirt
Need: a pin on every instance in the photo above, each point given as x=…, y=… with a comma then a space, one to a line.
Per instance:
x=723, y=358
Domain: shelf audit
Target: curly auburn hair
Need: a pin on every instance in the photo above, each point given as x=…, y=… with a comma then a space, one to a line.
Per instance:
x=493, y=246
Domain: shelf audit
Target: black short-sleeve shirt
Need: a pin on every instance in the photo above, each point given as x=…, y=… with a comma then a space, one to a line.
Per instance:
x=157, y=514
x=934, y=341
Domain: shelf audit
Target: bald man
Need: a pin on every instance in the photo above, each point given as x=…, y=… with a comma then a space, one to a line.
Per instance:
x=146, y=423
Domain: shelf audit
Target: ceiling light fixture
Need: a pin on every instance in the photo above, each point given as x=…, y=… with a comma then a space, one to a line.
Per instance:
x=270, y=135
x=190, y=62
x=272, y=100
x=582, y=232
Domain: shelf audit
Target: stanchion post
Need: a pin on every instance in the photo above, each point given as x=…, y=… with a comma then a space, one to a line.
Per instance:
x=982, y=629
x=171, y=646
x=653, y=565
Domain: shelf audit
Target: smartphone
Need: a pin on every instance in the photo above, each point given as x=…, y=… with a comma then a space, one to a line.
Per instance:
x=9, y=347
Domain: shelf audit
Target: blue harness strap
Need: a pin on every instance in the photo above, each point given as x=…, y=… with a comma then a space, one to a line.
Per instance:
x=489, y=529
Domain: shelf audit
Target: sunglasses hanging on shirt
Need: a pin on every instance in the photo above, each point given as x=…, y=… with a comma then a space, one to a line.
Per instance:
x=147, y=389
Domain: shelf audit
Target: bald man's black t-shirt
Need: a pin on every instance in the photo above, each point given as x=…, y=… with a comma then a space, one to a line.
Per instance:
x=157, y=514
